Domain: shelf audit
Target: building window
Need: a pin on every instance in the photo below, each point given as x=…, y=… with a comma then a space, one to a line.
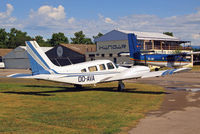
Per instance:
x=91, y=55
x=102, y=55
x=110, y=55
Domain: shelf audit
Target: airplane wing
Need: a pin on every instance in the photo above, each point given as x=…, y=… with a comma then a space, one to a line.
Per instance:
x=189, y=53
x=164, y=72
x=125, y=76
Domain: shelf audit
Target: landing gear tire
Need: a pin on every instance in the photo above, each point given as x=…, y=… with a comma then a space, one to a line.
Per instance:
x=156, y=69
x=78, y=86
x=121, y=86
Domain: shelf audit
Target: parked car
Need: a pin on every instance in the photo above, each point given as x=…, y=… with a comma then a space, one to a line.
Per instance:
x=2, y=65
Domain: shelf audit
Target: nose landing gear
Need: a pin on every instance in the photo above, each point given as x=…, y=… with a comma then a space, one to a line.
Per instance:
x=121, y=86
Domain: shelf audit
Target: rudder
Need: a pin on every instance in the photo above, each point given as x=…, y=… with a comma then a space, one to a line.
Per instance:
x=134, y=47
x=39, y=62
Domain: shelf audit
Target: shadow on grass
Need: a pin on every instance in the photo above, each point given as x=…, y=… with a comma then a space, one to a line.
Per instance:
x=71, y=89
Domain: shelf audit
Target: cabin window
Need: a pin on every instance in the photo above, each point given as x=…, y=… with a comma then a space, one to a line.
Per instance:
x=92, y=68
x=110, y=66
x=83, y=70
x=163, y=58
x=102, y=67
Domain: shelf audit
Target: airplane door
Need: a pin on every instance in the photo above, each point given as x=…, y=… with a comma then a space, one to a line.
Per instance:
x=145, y=60
x=170, y=60
x=115, y=60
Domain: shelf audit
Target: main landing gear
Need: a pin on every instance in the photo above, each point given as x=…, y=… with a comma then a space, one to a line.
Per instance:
x=157, y=69
x=78, y=86
x=121, y=86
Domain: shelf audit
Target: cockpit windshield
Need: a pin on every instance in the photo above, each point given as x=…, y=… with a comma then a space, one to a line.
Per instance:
x=110, y=65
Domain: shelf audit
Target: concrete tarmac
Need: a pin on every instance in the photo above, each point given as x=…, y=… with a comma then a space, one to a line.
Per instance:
x=5, y=72
x=180, y=111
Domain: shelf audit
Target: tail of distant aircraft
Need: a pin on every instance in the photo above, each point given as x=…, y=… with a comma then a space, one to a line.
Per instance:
x=39, y=62
x=134, y=47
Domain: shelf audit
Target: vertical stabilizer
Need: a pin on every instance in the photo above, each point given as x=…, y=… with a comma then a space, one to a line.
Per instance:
x=134, y=47
x=39, y=62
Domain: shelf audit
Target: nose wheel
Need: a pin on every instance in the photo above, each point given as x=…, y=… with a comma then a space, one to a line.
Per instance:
x=121, y=86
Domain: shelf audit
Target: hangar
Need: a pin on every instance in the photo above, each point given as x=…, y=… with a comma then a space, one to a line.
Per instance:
x=60, y=55
x=110, y=45
x=66, y=54
x=18, y=58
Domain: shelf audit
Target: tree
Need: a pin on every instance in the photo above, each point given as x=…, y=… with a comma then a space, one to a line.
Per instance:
x=88, y=41
x=168, y=33
x=17, y=38
x=58, y=38
x=98, y=35
x=42, y=42
x=3, y=38
x=39, y=39
x=80, y=38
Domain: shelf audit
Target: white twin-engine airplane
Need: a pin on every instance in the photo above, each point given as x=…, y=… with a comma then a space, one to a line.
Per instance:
x=90, y=72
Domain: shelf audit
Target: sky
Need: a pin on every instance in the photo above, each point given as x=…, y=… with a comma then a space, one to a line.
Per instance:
x=45, y=17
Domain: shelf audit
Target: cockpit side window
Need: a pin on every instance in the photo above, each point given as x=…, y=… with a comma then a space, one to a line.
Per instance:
x=102, y=67
x=83, y=70
x=92, y=68
x=110, y=65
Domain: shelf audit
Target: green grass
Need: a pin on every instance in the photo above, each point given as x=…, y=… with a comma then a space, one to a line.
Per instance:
x=31, y=106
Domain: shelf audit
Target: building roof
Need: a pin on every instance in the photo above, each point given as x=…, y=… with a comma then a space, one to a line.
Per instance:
x=81, y=48
x=122, y=35
x=150, y=35
x=45, y=49
x=3, y=52
x=20, y=52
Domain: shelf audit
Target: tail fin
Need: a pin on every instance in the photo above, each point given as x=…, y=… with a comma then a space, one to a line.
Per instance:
x=39, y=62
x=134, y=47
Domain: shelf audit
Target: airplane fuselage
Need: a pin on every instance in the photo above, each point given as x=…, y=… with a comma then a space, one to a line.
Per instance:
x=94, y=72
x=169, y=60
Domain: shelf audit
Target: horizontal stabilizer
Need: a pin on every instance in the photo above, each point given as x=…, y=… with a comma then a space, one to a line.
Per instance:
x=17, y=75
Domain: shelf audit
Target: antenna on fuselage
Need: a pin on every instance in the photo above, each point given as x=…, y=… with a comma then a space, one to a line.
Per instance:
x=70, y=61
x=57, y=62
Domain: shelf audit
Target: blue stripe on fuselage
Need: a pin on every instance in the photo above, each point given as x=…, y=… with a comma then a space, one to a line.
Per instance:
x=161, y=57
x=35, y=67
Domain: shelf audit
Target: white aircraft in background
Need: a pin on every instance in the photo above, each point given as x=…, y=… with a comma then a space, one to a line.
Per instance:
x=90, y=72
